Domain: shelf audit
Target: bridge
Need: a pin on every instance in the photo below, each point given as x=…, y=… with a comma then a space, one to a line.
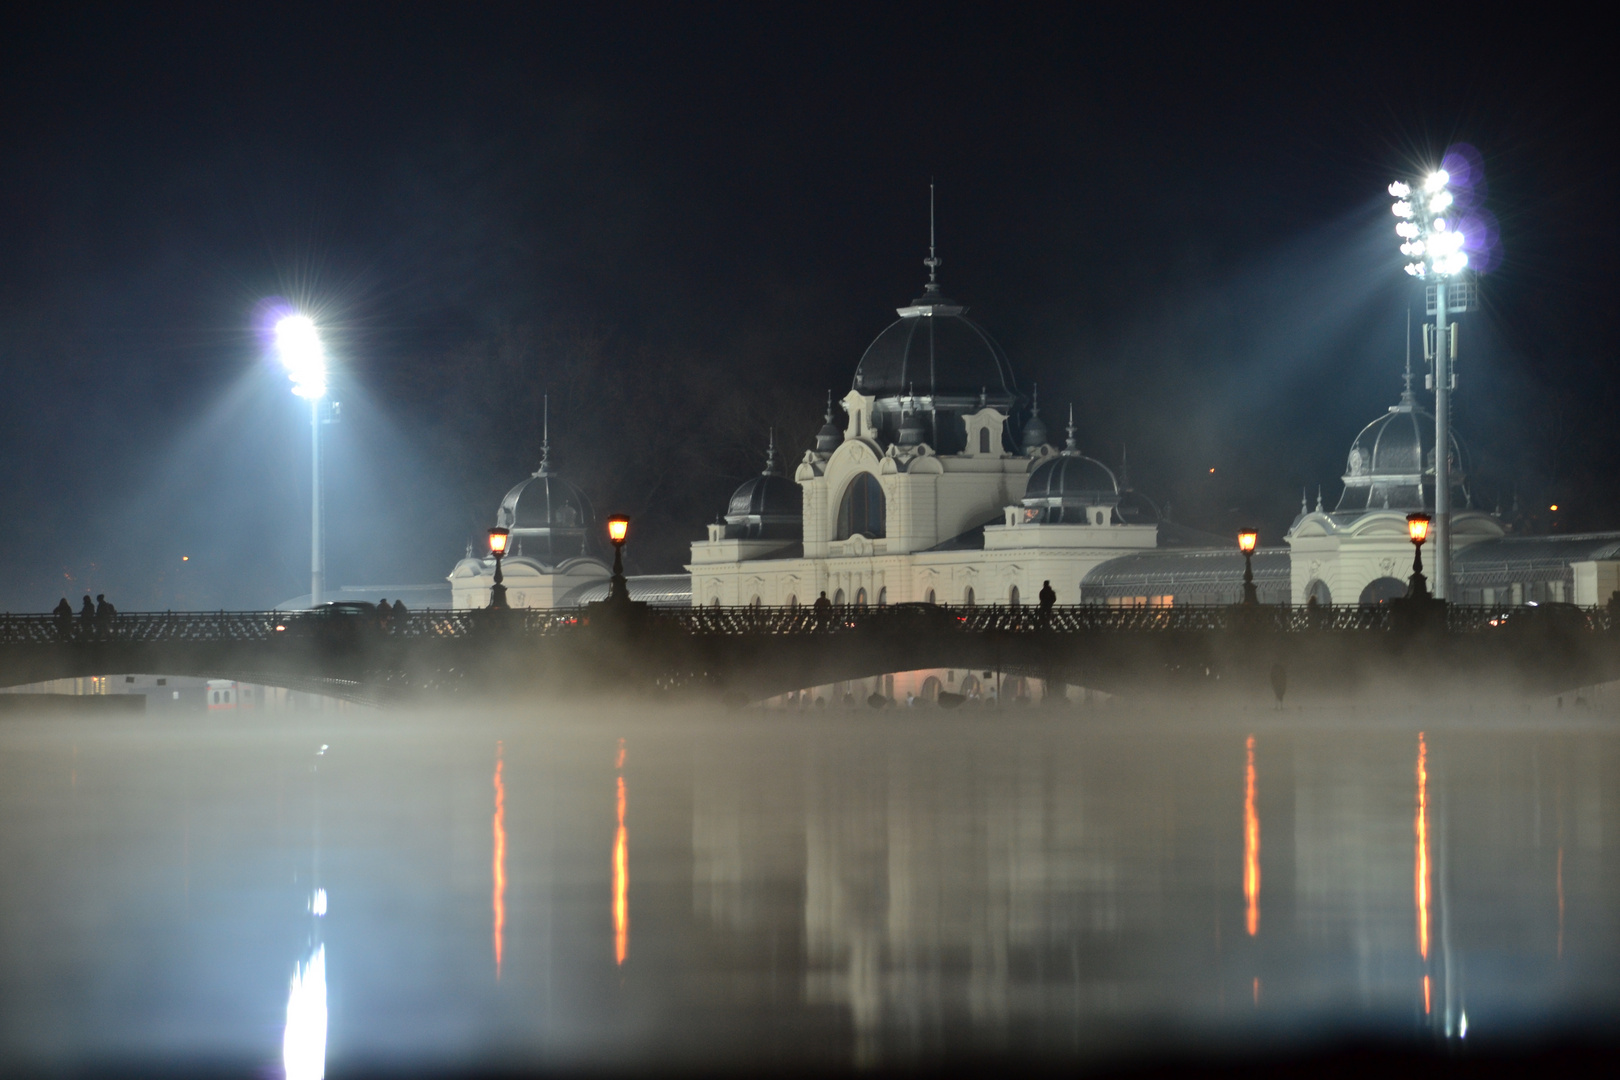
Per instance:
x=754, y=653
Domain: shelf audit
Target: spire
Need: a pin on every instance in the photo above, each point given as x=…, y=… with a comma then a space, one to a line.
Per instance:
x=1124, y=467
x=1406, y=393
x=545, y=437
x=770, y=456
x=1303, y=507
x=1069, y=446
x=1035, y=399
x=933, y=262
x=1318, y=498
x=829, y=407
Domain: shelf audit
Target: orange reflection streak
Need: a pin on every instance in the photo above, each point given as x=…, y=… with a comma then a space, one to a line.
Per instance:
x=619, y=764
x=499, y=861
x=1425, y=995
x=1422, y=869
x=621, y=882
x=1251, y=848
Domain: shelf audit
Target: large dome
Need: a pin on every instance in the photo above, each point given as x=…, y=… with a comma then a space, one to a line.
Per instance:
x=1068, y=490
x=935, y=355
x=935, y=361
x=1391, y=462
x=550, y=518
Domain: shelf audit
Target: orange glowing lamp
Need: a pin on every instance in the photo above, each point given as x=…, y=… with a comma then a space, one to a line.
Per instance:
x=498, y=539
x=1417, y=527
x=1247, y=538
x=618, y=528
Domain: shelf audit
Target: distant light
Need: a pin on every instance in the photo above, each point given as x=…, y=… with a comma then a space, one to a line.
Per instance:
x=1437, y=180
x=299, y=345
x=185, y=558
x=1400, y=190
x=1212, y=472
x=1554, y=506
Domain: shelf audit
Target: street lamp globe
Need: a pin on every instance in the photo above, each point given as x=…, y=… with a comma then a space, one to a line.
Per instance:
x=1247, y=538
x=618, y=526
x=498, y=539
x=1417, y=527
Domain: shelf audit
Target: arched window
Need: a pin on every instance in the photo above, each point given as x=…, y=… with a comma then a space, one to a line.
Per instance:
x=838, y=598
x=984, y=440
x=861, y=511
x=1012, y=596
x=714, y=601
x=967, y=597
x=931, y=599
x=793, y=602
x=754, y=603
x=883, y=596
x=860, y=598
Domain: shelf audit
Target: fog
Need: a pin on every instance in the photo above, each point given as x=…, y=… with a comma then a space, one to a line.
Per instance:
x=521, y=886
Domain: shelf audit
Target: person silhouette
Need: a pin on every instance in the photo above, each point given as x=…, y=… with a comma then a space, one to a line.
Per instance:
x=399, y=612
x=105, y=613
x=823, y=609
x=87, y=615
x=383, y=612
x=64, y=618
x=1048, y=596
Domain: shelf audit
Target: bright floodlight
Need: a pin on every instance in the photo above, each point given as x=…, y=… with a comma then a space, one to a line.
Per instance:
x=299, y=345
x=1428, y=239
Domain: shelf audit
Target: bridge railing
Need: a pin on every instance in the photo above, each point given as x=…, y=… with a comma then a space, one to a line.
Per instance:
x=266, y=626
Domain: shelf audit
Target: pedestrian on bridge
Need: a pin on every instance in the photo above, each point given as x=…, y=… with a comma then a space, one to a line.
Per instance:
x=105, y=613
x=87, y=616
x=399, y=614
x=1048, y=599
x=64, y=618
x=823, y=609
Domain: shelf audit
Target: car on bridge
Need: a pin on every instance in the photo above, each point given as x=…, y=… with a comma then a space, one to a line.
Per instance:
x=339, y=622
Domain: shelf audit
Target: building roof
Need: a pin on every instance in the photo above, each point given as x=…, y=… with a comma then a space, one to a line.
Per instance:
x=659, y=590
x=1506, y=560
x=1391, y=461
x=932, y=350
x=1207, y=576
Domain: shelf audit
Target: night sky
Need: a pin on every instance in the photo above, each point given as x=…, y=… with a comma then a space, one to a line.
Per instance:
x=685, y=223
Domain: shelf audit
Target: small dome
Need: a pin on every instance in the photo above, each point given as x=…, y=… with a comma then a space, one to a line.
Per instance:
x=1035, y=434
x=550, y=519
x=1391, y=462
x=1062, y=489
x=766, y=507
x=912, y=429
x=828, y=438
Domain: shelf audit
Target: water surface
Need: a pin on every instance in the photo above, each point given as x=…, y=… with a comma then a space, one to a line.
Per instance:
x=605, y=887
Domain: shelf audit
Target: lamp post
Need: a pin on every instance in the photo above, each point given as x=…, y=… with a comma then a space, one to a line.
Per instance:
x=618, y=589
x=1247, y=538
x=298, y=344
x=498, y=539
x=1417, y=527
x=1430, y=238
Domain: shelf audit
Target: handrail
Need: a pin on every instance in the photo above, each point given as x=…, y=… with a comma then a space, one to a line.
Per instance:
x=268, y=626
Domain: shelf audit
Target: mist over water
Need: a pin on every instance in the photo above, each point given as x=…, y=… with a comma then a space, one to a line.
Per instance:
x=641, y=888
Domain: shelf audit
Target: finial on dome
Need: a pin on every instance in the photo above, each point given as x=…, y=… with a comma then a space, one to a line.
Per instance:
x=1069, y=446
x=933, y=262
x=1124, y=468
x=984, y=396
x=770, y=456
x=1304, y=507
x=545, y=436
x=1318, y=498
x=829, y=406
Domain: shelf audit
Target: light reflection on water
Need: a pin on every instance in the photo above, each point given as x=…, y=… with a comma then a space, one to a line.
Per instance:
x=826, y=890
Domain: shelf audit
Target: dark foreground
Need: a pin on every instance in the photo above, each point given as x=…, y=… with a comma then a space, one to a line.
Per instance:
x=619, y=893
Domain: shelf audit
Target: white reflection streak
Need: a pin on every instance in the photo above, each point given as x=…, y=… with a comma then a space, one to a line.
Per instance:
x=303, y=1044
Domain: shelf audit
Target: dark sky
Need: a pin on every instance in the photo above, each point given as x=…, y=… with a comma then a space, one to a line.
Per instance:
x=686, y=222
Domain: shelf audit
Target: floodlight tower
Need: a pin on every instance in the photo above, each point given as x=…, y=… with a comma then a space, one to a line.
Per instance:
x=1430, y=239
x=298, y=344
